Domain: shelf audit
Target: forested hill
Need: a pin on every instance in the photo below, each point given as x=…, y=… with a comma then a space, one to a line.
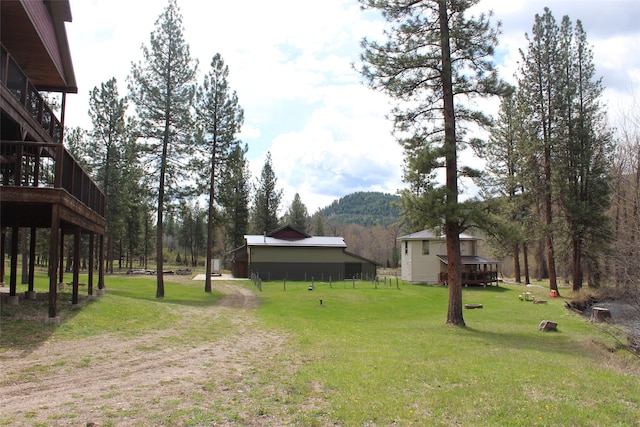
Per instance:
x=365, y=208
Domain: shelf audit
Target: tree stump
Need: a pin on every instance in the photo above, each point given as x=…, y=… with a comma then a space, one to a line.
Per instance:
x=599, y=315
x=472, y=306
x=548, y=325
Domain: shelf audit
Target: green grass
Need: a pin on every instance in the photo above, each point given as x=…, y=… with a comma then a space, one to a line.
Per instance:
x=130, y=308
x=367, y=355
x=385, y=356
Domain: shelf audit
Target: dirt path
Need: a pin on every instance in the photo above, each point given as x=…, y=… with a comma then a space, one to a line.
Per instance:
x=114, y=380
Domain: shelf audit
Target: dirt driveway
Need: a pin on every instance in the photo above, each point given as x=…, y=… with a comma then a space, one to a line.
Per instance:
x=160, y=378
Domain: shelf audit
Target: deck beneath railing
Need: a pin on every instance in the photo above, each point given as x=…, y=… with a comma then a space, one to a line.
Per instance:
x=473, y=278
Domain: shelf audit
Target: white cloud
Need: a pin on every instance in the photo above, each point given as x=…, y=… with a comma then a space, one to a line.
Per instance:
x=290, y=64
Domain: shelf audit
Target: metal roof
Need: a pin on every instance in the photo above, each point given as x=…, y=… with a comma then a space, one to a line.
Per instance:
x=313, y=241
x=430, y=235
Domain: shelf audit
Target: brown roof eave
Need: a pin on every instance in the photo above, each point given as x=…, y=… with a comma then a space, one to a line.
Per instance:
x=61, y=13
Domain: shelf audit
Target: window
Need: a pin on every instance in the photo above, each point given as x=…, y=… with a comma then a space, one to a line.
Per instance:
x=425, y=247
x=406, y=247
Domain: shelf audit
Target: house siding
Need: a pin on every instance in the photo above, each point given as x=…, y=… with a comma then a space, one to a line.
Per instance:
x=419, y=268
x=298, y=255
x=278, y=263
x=298, y=271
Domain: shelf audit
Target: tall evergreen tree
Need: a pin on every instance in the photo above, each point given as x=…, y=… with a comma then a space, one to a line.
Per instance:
x=586, y=159
x=540, y=84
x=219, y=120
x=110, y=150
x=503, y=183
x=233, y=196
x=76, y=141
x=267, y=200
x=572, y=143
x=433, y=55
x=297, y=216
x=318, y=223
x=162, y=87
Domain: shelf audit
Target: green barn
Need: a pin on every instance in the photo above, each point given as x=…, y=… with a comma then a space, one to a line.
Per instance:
x=290, y=254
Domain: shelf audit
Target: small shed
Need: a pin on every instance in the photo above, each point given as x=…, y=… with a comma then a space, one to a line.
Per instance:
x=287, y=253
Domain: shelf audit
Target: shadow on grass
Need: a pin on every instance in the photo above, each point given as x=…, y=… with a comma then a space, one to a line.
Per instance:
x=490, y=289
x=23, y=327
x=478, y=288
x=536, y=340
x=201, y=299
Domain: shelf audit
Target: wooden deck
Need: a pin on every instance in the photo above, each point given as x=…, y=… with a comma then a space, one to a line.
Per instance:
x=482, y=278
x=42, y=185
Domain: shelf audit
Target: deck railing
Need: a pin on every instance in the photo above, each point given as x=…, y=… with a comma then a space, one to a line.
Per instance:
x=472, y=277
x=48, y=165
x=19, y=85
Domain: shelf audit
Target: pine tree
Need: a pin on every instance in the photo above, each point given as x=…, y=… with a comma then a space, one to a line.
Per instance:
x=162, y=87
x=233, y=196
x=503, y=181
x=540, y=84
x=586, y=162
x=266, y=201
x=572, y=143
x=219, y=120
x=297, y=216
x=318, y=224
x=108, y=153
x=433, y=55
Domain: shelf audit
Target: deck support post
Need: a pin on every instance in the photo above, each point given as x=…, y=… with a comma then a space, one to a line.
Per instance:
x=90, y=266
x=53, y=262
x=13, y=275
x=76, y=265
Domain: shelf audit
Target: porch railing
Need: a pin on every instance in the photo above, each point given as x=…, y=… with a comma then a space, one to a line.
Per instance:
x=471, y=277
x=48, y=165
x=19, y=85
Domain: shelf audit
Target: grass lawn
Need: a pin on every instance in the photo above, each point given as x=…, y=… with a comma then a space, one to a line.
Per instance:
x=381, y=356
x=385, y=357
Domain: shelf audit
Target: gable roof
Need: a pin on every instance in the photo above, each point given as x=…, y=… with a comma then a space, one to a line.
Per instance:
x=317, y=241
x=289, y=236
x=430, y=235
x=288, y=232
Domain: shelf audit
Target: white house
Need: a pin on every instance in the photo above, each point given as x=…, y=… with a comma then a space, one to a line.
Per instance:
x=424, y=260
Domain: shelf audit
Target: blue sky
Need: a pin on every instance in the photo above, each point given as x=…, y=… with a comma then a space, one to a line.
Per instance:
x=290, y=63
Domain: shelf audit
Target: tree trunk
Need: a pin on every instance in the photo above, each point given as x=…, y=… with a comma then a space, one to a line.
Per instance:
x=110, y=253
x=452, y=227
x=548, y=217
x=541, y=263
x=159, y=231
x=525, y=257
x=120, y=252
x=67, y=266
x=576, y=264
x=210, y=229
x=516, y=263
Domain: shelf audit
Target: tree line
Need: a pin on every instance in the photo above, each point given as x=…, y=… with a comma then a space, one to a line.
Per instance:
x=560, y=185
x=175, y=173
x=175, y=169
